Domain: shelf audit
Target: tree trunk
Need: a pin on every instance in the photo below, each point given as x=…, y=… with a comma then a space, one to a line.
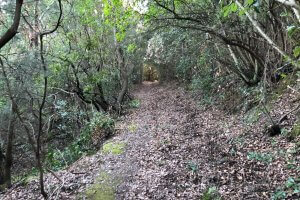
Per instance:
x=2, y=169
x=9, y=147
x=123, y=92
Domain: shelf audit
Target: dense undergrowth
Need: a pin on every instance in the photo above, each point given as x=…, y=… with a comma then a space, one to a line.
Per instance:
x=92, y=135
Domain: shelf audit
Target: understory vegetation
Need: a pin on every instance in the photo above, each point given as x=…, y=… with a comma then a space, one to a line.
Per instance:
x=68, y=69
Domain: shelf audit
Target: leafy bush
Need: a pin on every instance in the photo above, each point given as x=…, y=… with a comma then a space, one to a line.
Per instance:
x=57, y=159
x=203, y=83
x=102, y=121
x=95, y=131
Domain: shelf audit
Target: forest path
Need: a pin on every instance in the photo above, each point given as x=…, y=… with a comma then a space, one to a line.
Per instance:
x=171, y=148
x=177, y=149
x=158, y=153
x=165, y=147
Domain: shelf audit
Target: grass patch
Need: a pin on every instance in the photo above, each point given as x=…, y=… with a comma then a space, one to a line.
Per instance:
x=132, y=128
x=114, y=148
x=26, y=177
x=103, y=189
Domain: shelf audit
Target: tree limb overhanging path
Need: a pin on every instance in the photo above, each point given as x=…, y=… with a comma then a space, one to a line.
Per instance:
x=171, y=148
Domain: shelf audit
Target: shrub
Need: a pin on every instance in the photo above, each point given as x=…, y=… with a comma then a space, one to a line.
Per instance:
x=100, y=127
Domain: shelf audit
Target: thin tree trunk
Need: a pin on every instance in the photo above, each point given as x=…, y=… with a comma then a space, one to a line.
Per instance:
x=41, y=108
x=2, y=169
x=40, y=130
x=236, y=62
x=9, y=147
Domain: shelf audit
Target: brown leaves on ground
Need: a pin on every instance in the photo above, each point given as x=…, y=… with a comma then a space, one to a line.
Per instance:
x=176, y=149
x=191, y=149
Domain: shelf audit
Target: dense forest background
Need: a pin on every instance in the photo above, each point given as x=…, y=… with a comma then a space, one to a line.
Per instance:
x=68, y=68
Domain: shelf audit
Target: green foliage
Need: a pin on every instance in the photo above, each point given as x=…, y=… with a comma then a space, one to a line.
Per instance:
x=131, y=48
x=211, y=194
x=184, y=67
x=279, y=195
x=228, y=9
x=295, y=132
x=261, y=157
x=83, y=144
x=27, y=177
x=114, y=148
x=134, y=103
x=3, y=102
x=291, y=187
x=296, y=51
x=58, y=159
x=204, y=84
x=102, y=121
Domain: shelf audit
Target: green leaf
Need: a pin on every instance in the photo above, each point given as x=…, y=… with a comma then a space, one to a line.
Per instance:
x=290, y=182
x=296, y=191
x=279, y=195
x=250, y=2
x=226, y=10
x=234, y=7
x=291, y=29
x=131, y=48
x=242, y=12
x=296, y=51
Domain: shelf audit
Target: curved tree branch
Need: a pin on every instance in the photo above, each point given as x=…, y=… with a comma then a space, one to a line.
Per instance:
x=13, y=30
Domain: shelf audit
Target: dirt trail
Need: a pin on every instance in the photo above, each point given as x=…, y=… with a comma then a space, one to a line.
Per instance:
x=168, y=149
x=155, y=165
x=180, y=149
x=172, y=148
